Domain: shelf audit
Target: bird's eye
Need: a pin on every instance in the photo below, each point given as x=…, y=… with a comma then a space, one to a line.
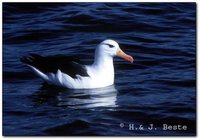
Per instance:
x=111, y=46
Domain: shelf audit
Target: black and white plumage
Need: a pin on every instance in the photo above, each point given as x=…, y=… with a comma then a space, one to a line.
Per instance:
x=69, y=73
x=51, y=64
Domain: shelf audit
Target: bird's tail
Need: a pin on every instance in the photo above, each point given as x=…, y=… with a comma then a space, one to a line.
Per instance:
x=31, y=59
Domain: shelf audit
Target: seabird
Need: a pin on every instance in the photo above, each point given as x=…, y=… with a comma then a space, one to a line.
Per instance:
x=70, y=74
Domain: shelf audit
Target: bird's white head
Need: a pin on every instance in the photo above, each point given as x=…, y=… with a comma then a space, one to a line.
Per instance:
x=111, y=48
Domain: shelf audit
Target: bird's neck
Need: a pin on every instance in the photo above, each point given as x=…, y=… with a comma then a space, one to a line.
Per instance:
x=102, y=61
x=102, y=69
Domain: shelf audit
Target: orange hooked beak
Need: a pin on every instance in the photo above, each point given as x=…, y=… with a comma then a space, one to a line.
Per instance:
x=125, y=56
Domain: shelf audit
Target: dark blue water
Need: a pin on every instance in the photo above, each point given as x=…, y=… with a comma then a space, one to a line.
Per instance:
x=158, y=88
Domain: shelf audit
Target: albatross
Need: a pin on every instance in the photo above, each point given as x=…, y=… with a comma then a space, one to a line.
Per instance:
x=70, y=74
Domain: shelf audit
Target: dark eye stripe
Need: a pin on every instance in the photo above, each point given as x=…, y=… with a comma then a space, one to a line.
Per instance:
x=111, y=46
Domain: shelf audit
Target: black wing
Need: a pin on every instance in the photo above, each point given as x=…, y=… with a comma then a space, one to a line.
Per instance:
x=49, y=64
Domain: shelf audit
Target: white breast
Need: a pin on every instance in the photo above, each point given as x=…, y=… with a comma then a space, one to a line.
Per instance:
x=100, y=77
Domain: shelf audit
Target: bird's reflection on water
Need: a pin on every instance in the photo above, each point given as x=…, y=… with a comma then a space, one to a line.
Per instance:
x=77, y=99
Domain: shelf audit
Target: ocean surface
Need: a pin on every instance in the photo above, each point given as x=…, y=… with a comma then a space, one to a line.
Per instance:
x=159, y=88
